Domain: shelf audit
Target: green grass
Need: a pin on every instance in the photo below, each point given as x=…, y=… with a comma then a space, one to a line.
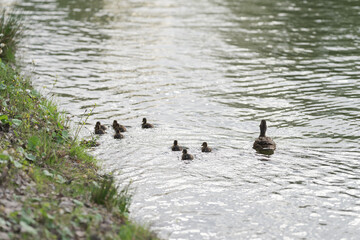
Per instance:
x=10, y=33
x=108, y=194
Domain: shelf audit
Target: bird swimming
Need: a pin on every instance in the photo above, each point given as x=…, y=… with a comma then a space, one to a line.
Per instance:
x=186, y=156
x=205, y=147
x=116, y=125
x=118, y=135
x=145, y=124
x=176, y=147
x=264, y=144
x=102, y=126
x=99, y=129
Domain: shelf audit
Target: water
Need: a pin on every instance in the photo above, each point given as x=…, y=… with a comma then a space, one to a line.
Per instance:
x=210, y=70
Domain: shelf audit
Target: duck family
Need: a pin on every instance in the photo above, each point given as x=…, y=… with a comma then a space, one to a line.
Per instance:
x=262, y=144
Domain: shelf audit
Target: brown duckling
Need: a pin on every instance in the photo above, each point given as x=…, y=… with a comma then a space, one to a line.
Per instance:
x=118, y=135
x=145, y=124
x=205, y=147
x=102, y=126
x=264, y=144
x=176, y=147
x=98, y=129
x=186, y=156
x=116, y=125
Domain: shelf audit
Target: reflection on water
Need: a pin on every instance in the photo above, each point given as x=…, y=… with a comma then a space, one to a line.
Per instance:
x=210, y=70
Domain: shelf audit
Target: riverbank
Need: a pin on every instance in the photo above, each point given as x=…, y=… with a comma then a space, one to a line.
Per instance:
x=49, y=185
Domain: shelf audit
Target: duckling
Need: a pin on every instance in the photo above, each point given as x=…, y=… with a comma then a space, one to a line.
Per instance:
x=264, y=144
x=118, y=135
x=186, y=156
x=145, y=124
x=117, y=125
x=102, y=126
x=176, y=147
x=98, y=129
x=205, y=147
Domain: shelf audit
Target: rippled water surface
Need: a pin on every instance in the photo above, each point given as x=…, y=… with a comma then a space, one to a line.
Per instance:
x=210, y=70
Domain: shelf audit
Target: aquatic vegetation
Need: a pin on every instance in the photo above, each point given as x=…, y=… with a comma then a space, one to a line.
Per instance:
x=91, y=142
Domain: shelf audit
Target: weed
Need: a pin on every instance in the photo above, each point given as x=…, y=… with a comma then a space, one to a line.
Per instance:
x=10, y=32
x=107, y=194
x=82, y=123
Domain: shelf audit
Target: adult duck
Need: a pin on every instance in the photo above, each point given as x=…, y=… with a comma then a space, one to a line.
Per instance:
x=205, y=147
x=186, y=156
x=176, y=147
x=264, y=144
x=145, y=124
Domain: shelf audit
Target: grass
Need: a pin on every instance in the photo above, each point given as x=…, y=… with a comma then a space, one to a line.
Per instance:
x=49, y=185
x=10, y=33
x=108, y=194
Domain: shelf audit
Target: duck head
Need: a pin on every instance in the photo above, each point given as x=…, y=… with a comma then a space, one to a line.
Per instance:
x=184, y=151
x=175, y=142
x=204, y=144
x=263, y=128
x=144, y=120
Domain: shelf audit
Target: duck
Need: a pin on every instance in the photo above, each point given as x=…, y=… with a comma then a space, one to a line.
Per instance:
x=264, y=144
x=116, y=125
x=186, y=156
x=99, y=129
x=176, y=147
x=118, y=135
x=146, y=125
x=205, y=147
x=101, y=126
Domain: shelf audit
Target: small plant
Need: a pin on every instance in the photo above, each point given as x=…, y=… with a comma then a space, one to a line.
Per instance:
x=10, y=31
x=82, y=123
x=107, y=194
x=91, y=142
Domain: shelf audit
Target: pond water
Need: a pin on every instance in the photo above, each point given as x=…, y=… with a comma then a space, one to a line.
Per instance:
x=211, y=70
